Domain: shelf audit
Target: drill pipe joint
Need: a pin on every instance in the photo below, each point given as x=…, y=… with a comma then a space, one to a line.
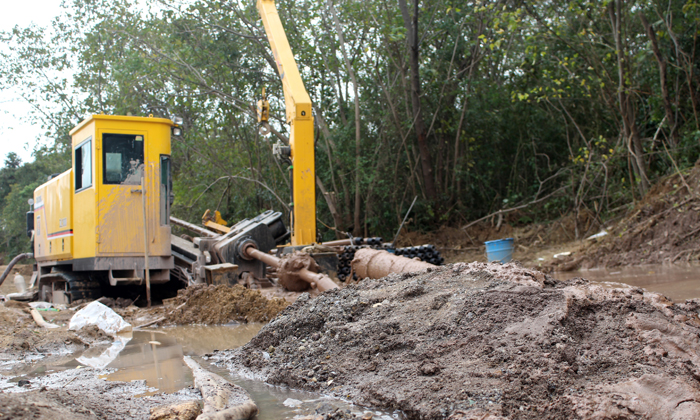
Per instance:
x=321, y=281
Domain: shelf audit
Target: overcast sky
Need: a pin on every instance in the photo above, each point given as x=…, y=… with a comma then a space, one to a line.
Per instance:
x=16, y=134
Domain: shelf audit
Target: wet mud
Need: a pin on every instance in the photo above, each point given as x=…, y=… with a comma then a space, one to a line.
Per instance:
x=486, y=341
x=82, y=393
x=676, y=282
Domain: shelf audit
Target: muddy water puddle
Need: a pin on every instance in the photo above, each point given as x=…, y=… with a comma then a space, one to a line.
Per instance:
x=156, y=356
x=676, y=283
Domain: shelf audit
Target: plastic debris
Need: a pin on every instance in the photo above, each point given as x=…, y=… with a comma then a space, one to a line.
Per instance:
x=100, y=315
x=20, y=284
x=106, y=357
x=40, y=320
x=598, y=235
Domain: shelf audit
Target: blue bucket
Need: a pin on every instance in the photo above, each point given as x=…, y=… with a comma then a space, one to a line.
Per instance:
x=500, y=250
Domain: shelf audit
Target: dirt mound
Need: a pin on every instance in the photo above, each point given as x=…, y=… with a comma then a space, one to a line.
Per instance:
x=486, y=341
x=664, y=227
x=223, y=304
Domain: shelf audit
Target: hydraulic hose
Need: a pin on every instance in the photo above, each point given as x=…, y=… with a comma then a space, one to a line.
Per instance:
x=12, y=263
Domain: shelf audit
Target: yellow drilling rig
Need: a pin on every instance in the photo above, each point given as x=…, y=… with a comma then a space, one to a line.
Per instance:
x=106, y=221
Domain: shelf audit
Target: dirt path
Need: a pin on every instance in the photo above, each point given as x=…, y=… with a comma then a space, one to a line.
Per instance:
x=469, y=341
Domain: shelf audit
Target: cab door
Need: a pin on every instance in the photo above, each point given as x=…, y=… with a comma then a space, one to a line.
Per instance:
x=120, y=207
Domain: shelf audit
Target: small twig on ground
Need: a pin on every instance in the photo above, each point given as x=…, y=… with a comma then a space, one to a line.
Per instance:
x=469, y=248
x=503, y=211
x=681, y=253
x=687, y=235
x=155, y=321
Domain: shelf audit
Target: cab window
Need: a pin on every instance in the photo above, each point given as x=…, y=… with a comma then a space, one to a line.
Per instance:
x=123, y=159
x=166, y=190
x=83, y=165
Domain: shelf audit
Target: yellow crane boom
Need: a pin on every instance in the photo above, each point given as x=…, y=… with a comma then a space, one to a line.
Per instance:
x=301, y=121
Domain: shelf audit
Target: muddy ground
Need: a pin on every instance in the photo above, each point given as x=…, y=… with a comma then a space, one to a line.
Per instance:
x=21, y=338
x=469, y=341
x=662, y=228
x=82, y=394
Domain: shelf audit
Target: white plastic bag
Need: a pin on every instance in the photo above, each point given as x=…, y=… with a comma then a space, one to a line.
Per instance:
x=98, y=314
x=107, y=356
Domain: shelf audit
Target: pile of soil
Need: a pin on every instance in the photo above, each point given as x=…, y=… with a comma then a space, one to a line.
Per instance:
x=223, y=304
x=475, y=341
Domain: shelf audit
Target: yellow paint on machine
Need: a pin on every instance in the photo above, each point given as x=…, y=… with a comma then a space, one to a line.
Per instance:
x=53, y=218
x=83, y=213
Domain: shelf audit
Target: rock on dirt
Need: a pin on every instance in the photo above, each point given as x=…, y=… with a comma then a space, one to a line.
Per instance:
x=222, y=304
x=188, y=410
x=486, y=341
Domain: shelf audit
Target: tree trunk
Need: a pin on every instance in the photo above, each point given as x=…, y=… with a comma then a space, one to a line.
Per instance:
x=627, y=112
x=670, y=117
x=413, y=41
x=357, y=229
x=331, y=202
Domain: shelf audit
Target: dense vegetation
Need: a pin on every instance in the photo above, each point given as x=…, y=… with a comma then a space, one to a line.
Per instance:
x=473, y=106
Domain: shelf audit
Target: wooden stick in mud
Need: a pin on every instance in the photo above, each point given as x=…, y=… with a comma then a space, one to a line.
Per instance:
x=222, y=399
x=40, y=320
x=155, y=321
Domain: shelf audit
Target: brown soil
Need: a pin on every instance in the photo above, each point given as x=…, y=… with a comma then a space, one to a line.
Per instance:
x=662, y=228
x=223, y=304
x=19, y=333
x=39, y=405
x=469, y=341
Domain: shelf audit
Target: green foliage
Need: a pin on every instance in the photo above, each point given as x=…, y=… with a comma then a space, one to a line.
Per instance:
x=17, y=183
x=520, y=101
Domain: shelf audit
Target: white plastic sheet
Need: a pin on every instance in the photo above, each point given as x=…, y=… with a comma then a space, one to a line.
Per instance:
x=102, y=360
x=98, y=314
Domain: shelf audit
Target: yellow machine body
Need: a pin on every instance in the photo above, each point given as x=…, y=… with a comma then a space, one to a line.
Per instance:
x=53, y=213
x=301, y=121
x=91, y=217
